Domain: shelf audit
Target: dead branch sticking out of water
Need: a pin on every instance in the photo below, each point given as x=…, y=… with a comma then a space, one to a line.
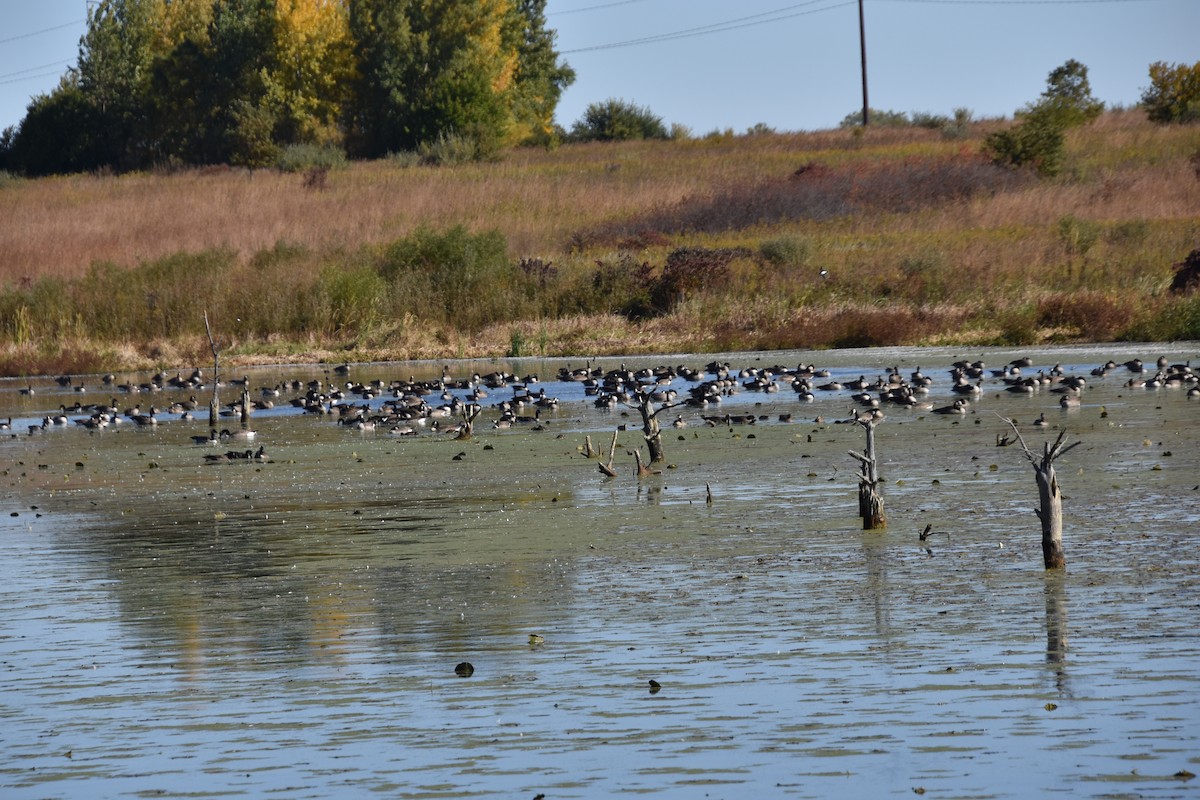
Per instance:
x=643, y=470
x=607, y=469
x=870, y=499
x=1049, y=495
x=214, y=405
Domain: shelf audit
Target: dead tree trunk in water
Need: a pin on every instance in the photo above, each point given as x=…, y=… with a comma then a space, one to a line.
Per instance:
x=1049, y=495
x=214, y=405
x=870, y=499
x=469, y=413
x=650, y=427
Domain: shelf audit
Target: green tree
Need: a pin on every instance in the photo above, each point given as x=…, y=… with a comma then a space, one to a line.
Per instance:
x=540, y=78
x=114, y=58
x=59, y=134
x=1038, y=139
x=1068, y=97
x=480, y=70
x=376, y=114
x=617, y=120
x=1173, y=94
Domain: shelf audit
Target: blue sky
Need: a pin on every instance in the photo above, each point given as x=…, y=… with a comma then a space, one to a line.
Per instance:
x=717, y=64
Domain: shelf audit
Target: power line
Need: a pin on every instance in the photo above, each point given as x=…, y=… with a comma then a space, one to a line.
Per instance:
x=1018, y=2
x=592, y=8
x=32, y=77
x=718, y=27
x=58, y=63
x=43, y=30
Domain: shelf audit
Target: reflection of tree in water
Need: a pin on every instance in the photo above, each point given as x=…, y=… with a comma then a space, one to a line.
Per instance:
x=875, y=559
x=1056, y=628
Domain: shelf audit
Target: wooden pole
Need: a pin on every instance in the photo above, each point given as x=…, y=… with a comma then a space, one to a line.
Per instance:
x=862, y=43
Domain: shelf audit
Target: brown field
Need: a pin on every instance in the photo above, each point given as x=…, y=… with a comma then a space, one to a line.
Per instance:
x=922, y=239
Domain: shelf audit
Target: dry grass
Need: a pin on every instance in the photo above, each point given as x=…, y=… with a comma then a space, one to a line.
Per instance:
x=919, y=236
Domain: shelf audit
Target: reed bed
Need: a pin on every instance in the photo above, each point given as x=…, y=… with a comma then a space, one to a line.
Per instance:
x=834, y=238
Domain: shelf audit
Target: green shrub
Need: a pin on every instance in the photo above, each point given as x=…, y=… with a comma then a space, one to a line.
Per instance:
x=404, y=159
x=1036, y=142
x=876, y=118
x=617, y=121
x=304, y=157
x=786, y=251
x=455, y=277
x=449, y=149
x=352, y=299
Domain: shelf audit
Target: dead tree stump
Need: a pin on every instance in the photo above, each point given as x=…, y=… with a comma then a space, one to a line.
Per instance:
x=468, y=414
x=1049, y=495
x=651, y=430
x=870, y=498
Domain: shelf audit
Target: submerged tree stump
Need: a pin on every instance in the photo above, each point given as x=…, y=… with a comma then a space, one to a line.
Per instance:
x=870, y=498
x=1049, y=495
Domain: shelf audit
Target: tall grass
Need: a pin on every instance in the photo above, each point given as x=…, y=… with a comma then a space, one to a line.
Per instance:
x=771, y=240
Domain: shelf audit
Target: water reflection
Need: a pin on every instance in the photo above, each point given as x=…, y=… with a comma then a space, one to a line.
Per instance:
x=1055, y=592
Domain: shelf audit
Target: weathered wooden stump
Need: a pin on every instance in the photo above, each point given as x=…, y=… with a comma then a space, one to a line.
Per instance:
x=1049, y=495
x=870, y=498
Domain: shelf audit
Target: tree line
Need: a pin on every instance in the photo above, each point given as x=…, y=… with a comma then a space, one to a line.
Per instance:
x=189, y=82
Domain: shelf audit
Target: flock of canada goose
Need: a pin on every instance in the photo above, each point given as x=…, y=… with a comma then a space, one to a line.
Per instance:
x=441, y=406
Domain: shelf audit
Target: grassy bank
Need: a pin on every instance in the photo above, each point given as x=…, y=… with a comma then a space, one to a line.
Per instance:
x=766, y=241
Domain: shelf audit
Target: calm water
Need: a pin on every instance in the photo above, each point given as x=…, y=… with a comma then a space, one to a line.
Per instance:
x=173, y=628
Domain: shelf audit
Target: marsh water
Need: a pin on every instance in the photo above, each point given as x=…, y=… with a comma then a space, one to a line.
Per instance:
x=178, y=628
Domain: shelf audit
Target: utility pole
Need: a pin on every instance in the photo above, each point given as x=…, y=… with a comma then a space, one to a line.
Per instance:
x=862, y=42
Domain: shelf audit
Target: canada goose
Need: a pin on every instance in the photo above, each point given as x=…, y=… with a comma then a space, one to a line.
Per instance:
x=212, y=439
x=1069, y=401
x=240, y=435
x=145, y=420
x=959, y=406
x=1041, y=421
x=679, y=422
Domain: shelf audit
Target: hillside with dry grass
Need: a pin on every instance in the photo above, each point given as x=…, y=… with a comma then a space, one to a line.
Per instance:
x=838, y=238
